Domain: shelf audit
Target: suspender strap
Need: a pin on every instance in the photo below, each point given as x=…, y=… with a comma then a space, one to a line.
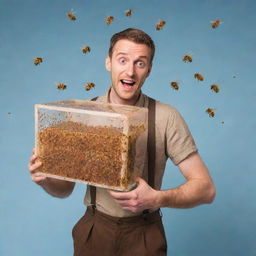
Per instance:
x=93, y=198
x=94, y=99
x=151, y=146
x=151, y=142
x=93, y=188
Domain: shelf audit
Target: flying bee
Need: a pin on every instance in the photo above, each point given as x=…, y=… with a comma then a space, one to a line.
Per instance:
x=86, y=49
x=128, y=13
x=175, y=85
x=89, y=86
x=109, y=19
x=199, y=77
x=71, y=15
x=61, y=86
x=210, y=111
x=187, y=58
x=215, y=88
x=160, y=24
x=38, y=60
x=215, y=23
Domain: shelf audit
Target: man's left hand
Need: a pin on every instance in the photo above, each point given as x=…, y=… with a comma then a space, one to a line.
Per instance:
x=141, y=198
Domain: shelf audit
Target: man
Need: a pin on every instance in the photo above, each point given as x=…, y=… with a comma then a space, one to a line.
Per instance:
x=129, y=223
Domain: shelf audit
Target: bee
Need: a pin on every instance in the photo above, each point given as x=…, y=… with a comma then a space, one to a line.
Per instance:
x=199, y=77
x=160, y=24
x=210, y=111
x=9, y=113
x=38, y=60
x=71, y=15
x=86, y=49
x=61, y=86
x=215, y=23
x=187, y=58
x=128, y=13
x=109, y=19
x=222, y=122
x=175, y=85
x=89, y=86
x=215, y=88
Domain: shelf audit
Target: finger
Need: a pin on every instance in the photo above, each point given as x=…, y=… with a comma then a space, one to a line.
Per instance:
x=120, y=195
x=32, y=158
x=132, y=209
x=139, y=180
x=34, y=167
x=124, y=195
x=38, y=179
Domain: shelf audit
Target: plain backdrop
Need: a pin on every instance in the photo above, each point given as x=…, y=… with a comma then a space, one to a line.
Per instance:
x=34, y=223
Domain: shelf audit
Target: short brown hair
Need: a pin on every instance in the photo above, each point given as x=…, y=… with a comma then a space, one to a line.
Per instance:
x=134, y=35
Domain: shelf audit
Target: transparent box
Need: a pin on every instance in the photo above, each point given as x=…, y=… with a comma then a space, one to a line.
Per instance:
x=99, y=144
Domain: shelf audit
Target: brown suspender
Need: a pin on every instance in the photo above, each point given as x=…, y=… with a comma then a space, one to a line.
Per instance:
x=151, y=141
x=151, y=148
x=93, y=188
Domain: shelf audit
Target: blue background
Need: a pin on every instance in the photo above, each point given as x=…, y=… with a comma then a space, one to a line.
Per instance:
x=34, y=223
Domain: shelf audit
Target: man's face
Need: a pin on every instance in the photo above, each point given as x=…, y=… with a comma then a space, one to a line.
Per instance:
x=129, y=66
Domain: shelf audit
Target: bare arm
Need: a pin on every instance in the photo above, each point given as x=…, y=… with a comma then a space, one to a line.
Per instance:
x=56, y=188
x=198, y=189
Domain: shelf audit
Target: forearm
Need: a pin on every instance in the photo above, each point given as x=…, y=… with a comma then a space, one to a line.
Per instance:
x=58, y=188
x=190, y=194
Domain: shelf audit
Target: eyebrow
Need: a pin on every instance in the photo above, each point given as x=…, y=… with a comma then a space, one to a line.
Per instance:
x=139, y=57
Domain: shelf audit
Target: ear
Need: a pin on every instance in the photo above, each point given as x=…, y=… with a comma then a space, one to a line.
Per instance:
x=149, y=69
x=108, y=64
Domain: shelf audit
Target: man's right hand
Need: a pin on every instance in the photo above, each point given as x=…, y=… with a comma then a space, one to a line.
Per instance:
x=34, y=165
x=55, y=187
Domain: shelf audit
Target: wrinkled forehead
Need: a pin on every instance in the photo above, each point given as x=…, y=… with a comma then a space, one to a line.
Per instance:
x=130, y=48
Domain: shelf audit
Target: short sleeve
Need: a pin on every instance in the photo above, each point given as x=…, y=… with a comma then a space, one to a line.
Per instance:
x=180, y=143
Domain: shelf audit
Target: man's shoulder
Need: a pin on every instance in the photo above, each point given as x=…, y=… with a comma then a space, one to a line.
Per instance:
x=163, y=107
x=100, y=98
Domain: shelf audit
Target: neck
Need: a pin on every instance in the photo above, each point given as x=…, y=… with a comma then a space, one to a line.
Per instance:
x=115, y=100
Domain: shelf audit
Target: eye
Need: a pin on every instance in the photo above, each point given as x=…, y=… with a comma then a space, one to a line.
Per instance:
x=140, y=64
x=122, y=60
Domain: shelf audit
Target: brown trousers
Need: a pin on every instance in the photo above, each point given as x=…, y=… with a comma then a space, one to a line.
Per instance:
x=99, y=234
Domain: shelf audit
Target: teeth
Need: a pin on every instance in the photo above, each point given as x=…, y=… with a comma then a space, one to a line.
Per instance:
x=128, y=82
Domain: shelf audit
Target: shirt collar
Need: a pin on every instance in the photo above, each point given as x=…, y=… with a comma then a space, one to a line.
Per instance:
x=139, y=103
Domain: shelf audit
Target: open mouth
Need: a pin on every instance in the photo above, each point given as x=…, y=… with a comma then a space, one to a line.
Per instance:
x=127, y=82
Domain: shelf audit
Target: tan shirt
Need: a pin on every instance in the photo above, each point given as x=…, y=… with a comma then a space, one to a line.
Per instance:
x=173, y=140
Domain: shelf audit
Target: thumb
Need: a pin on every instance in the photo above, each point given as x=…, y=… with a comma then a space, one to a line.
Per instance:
x=139, y=180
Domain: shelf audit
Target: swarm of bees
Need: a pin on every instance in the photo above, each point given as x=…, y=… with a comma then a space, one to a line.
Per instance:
x=89, y=86
x=109, y=20
x=175, y=85
x=215, y=88
x=61, y=86
x=215, y=23
x=160, y=24
x=38, y=60
x=187, y=58
x=210, y=111
x=86, y=49
x=71, y=16
x=199, y=77
x=128, y=13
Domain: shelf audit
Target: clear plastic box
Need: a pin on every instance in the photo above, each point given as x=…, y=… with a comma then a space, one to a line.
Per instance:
x=100, y=144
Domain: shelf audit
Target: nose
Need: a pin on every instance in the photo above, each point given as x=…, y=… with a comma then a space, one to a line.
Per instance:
x=130, y=70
